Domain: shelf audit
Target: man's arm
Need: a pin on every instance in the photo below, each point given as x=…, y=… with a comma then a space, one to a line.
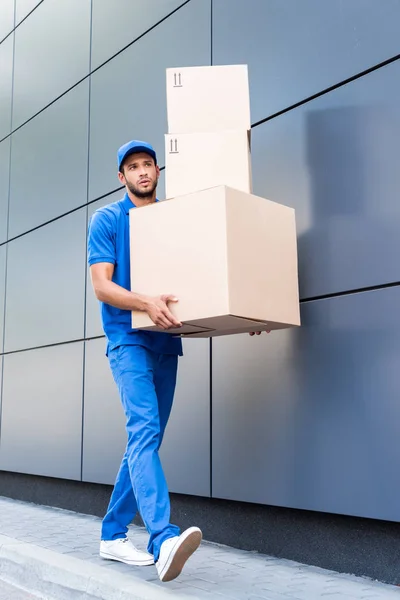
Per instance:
x=111, y=293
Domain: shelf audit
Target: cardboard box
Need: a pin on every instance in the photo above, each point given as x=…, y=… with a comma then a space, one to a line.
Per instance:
x=229, y=257
x=214, y=98
x=195, y=161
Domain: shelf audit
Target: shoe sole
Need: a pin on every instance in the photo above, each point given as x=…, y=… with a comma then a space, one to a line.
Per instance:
x=134, y=563
x=183, y=549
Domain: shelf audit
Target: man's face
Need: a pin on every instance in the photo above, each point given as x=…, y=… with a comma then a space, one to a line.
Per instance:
x=140, y=174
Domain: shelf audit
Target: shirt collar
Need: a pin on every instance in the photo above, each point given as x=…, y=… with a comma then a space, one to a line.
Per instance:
x=128, y=204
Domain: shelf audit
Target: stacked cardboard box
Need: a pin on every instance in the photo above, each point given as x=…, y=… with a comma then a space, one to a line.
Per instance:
x=228, y=255
x=208, y=140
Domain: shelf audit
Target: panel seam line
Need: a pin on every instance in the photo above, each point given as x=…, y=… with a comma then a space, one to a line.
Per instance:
x=80, y=207
x=82, y=79
x=327, y=90
x=22, y=20
x=86, y=229
x=7, y=229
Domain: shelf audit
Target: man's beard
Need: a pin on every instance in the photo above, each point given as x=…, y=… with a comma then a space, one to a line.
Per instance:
x=138, y=193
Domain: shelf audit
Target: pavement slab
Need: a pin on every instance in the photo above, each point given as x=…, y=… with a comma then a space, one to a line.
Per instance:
x=54, y=553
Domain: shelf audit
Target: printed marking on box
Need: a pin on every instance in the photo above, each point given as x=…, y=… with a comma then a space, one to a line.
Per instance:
x=173, y=146
x=177, y=80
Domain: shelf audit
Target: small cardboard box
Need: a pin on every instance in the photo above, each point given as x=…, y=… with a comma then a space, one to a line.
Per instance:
x=229, y=257
x=196, y=161
x=212, y=98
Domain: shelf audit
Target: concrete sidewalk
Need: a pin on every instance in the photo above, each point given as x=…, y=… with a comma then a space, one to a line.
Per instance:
x=55, y=553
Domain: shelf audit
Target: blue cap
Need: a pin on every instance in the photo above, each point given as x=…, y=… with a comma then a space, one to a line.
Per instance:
x=132, y=147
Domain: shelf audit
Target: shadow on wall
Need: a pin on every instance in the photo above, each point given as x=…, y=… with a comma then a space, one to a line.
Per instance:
x=345, y=450
x=354, y=187
x=347, y=349
x=314, y=416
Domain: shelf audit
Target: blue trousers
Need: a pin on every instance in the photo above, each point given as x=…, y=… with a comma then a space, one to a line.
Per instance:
x=146, y=383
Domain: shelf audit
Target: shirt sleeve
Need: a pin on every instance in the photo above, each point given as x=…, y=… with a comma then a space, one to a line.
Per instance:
x=101, y=239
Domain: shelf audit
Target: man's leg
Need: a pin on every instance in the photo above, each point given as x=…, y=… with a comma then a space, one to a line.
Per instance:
x=133, y=371
x=122, y=507
x=165, y=383
x=173, y=552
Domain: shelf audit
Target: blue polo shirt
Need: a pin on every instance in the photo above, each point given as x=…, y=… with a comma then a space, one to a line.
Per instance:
x=108, y=241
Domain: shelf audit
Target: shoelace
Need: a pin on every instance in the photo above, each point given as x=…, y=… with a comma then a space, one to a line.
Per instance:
x=126, y=541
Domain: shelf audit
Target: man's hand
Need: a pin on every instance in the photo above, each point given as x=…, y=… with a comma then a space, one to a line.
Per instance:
x=159, y=313
x=115, y=295
x=258, y=332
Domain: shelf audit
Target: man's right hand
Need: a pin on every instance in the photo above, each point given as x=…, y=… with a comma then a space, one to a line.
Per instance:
x=159, y=313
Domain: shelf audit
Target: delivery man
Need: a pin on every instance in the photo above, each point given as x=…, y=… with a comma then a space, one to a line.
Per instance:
x=144, y=367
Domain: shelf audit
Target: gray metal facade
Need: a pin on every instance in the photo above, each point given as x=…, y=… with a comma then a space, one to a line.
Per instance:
x=306, y=418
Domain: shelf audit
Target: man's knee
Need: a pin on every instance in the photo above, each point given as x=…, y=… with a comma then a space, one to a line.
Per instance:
x=143, y=432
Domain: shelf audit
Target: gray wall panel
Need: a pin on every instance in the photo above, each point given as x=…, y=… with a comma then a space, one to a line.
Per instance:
x=186, y=448
x=41, y=426
x=104, y=436
x=42, y=44
x=6, y=17
x=110, y=32
x=45, y=284
x=53, y=150
x=185, y=452
x=4, y=185
x=335, y=161
x=6, y=65
x=23, y=7
x=308, y=418
x=296, y=49
x=3, y=253
x=1, y=380
x=128, y=95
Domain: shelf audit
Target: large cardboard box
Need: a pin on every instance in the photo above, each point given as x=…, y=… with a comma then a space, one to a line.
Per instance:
x=195, y=161
x=229, y=257
x=213, y=98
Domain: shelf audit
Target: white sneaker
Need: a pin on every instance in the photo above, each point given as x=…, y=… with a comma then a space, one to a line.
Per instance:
x=124, y=551
x=175, y=551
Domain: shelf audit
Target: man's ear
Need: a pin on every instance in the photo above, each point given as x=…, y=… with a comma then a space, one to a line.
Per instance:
x=121, y=177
